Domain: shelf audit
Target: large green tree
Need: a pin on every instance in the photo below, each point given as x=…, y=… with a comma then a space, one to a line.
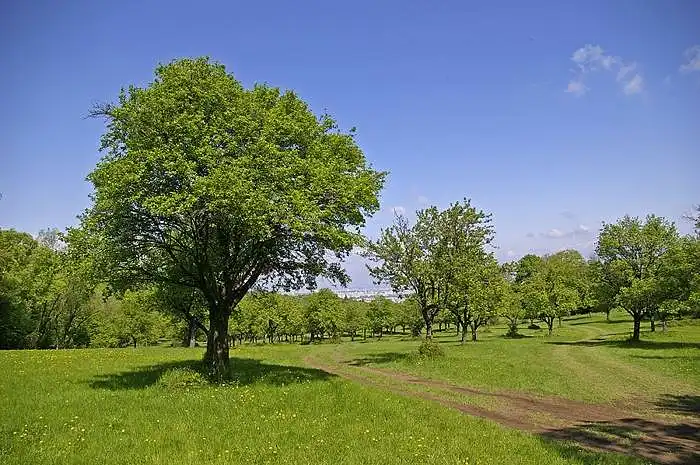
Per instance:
x=208, y=185
x=631, y=253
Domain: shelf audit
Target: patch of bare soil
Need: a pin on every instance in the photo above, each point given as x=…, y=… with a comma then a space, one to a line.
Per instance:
x=594, y=426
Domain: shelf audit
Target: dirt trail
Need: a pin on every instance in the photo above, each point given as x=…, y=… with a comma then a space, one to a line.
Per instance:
x=595, y=426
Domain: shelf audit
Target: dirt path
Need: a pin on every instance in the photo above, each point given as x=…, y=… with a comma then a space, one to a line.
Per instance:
x=595, y=426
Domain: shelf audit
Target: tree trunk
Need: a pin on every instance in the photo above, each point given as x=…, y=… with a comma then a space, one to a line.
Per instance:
x=464, y=333
x=663, y=326
x=559, y=321
x=428, y=329
x=637, y=324
x=191, y=339
x=550, y=324
x=653, y=323
x=474, y=328
x=217, y=354
x=607, y=315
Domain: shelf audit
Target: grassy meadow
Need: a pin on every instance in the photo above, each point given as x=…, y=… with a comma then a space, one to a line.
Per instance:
x=148, y=406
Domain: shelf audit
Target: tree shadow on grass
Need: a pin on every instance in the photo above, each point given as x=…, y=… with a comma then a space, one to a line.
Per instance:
x=652, y=440
x=684, y=404
x=599, y=342
x=377, y=359
x=243, y=371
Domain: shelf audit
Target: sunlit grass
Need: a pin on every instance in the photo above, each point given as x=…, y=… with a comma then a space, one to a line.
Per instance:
x=128, y=406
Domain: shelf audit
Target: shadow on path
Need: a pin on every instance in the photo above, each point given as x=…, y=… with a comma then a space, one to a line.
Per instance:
x=243, y=371
x=658, y=441
x=688, y=405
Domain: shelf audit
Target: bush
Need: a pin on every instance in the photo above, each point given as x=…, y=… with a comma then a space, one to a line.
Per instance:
x=430, y=349
x=181, y=378
x=512, y=330
x=533, y=326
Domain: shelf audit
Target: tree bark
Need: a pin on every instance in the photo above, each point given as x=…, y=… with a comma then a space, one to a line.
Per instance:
x=637, y=324
x=474, y=328
x=428, y=329
x=653, y=323
x=191, y=338
x=217, y=354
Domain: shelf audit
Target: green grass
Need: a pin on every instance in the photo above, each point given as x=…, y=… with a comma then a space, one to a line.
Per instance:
x=146, y=406
x=586, y=359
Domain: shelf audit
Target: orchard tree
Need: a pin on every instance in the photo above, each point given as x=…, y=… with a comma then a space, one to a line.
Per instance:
x=379, y=315
x=208, y=185
x=406, y=261
x=556, y=288
x=631, y=252
x=423, y=258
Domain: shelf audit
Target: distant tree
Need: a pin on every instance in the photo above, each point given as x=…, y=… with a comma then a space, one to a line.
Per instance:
x=379, y=315
x=423, y=258
x=184, y=303
x=631, y=252
x=556, y=288
x=511, y=308
x=323, y=314
x=208, y=185
x=354, y=317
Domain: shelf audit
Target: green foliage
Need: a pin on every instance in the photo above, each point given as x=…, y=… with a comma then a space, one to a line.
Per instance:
x=426, y=258
x=43, y=293
x=379, y=314
x=555, y=287
x=212, y=186
x=430, y=349
x=632, y=253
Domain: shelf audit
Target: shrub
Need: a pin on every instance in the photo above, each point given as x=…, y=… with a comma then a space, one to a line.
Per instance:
x=534, y=326
x=181, y=378
x=430, y=349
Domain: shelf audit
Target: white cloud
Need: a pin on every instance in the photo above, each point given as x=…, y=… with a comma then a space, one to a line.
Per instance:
x=580, y=231
x=692, y=55
x=398, y=210
x=576, y=87
x=422, y=200
x=510, y=253
x=625, y=70
x=634, y=85
x=593, y=57
x=590, y=58
x=554, y=233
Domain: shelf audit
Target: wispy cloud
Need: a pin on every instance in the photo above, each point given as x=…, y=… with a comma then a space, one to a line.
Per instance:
x=576, y=87
x=580, y=231
x=422, y=200
x=592, y=58
x=692, y=57
x=530, y=235
x=634, y=85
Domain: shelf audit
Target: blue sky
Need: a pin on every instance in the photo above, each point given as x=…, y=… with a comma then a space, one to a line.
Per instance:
x=553, y=117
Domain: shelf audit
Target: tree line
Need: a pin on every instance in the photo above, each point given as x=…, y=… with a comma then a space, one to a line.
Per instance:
x=49, y=298
x=642, y=266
